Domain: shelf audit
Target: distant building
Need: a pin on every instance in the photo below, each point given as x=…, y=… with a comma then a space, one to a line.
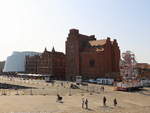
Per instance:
x=91, y=58
x=16, y=62
x=50, y=63
x=85, y=56
x=31, y=64
x=2, y=63
x=143, y=70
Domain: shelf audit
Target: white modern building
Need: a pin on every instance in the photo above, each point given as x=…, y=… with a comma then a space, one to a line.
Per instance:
x=16, y=62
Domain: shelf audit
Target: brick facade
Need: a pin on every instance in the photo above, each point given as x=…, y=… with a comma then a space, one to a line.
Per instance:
x=85, y=56
x=91, y=58
x=51, y=63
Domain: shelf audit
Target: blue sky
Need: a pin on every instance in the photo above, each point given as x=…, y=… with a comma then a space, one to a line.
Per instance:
x=32, y=25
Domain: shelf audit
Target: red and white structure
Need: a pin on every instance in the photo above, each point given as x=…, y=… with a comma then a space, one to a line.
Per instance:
x=127, y=66
x=128, y=73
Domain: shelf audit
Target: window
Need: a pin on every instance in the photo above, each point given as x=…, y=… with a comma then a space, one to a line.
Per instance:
x=92, y=63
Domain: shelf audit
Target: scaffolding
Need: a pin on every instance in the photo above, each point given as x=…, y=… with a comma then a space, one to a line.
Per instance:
x=128, y=73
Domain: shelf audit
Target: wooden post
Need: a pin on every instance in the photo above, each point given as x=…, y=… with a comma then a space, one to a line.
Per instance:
x=70, y=91
x=31, y=93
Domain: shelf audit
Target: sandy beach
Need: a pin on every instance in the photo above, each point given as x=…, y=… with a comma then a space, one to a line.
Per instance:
x=43, y=99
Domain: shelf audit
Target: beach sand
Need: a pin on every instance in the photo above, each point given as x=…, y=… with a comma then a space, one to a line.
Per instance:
x=128, y=102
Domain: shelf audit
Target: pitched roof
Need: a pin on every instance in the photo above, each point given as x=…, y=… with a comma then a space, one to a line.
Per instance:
x=143, y=65
x=98, y=42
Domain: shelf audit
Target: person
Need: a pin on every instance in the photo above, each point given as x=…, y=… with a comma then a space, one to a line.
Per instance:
x=115, y=102
x=102, y=88
x=82, y=102
x=86, y=103
x=104, y=101
x=59, y=98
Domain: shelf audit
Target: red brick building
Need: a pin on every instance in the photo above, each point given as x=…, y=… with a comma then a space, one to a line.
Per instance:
x=91, y=58
x=51, y=63
x=31, y=64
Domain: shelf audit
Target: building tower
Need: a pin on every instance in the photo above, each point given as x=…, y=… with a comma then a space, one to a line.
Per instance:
x=72, y=54
x=91, y=58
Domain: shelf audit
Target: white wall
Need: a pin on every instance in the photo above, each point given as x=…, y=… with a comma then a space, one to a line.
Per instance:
x=16, y=62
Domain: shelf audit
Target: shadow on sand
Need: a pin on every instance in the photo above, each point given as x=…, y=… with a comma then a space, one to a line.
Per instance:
x=11, y=86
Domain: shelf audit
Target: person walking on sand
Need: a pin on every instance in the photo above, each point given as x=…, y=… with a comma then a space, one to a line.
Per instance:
x=104, y=101
x=102, y=88
x=82, y=102
x=115, y=102
x=86, y=103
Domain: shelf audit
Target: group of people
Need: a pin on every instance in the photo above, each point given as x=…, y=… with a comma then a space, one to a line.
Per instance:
x=85, y=102
x=114, y=101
